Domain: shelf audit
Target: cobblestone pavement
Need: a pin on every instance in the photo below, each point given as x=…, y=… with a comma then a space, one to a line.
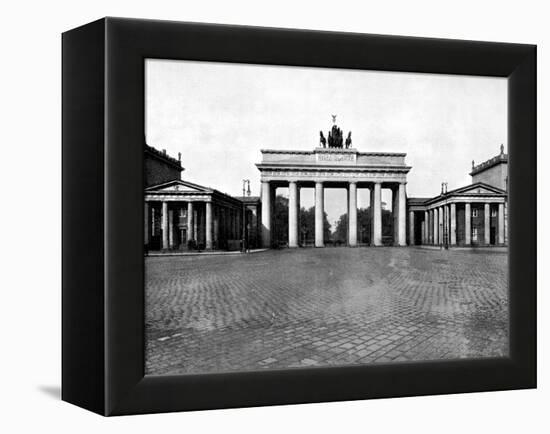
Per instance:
x=320, y=307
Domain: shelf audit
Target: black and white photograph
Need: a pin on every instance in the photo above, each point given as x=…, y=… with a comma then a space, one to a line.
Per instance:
x=275, y=217
x=299, y=217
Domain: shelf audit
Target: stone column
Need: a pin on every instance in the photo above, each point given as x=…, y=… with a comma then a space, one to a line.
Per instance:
x=292, y=214
x=376, y=205
x=467, y=224
x=299, y=219
x=436, y=226
x=430, y=226
x=208, y=237
x=266, y=214
x=402, y=215
x=352, y=215
x=501, y=223
x=411, y=228
x=164, y=225
x=146, y=222
x=446, y=223
x=171, y=229
x=190, y=222
x=395, y=215
x=487, y=229
x=319, y=215
x=453, y=224
x=441, y=224
x=426, y=238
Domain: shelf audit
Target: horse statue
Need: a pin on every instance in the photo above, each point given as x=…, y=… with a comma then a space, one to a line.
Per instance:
x=348, y=141
x=322, y=140
x=337, y=137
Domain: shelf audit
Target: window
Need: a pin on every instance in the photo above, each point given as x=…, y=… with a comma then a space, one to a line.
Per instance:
x=493, y=213
x=474, y=234
x=474, y=212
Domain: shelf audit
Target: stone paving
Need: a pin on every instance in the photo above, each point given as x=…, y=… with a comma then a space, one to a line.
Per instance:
x=323, y=307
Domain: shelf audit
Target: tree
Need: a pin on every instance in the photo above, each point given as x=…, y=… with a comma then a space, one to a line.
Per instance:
x=280, y=221
x=364, y=231
x=364, y=226
x=306, y=224
x=340, y=234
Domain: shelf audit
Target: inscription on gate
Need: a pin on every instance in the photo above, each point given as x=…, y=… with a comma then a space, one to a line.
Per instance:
x=347, y=157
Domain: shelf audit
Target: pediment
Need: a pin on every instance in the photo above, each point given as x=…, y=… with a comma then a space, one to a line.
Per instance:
x=178, y=186
x=479, y=188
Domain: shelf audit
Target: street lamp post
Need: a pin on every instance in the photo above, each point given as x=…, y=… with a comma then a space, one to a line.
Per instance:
x=246, y=183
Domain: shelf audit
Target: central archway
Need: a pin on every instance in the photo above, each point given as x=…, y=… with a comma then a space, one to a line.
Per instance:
x=326, y=168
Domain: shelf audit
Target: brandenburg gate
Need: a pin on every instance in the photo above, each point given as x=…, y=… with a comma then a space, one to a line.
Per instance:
x=334, y=166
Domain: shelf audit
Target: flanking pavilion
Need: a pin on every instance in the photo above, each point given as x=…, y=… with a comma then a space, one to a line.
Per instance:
x=181, y=215
x=474, y=215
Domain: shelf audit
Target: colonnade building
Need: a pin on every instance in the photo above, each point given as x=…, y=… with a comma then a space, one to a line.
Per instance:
x=180, y=215
x=474, y=215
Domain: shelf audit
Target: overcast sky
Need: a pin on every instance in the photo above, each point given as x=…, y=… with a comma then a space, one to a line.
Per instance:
x=219, y=116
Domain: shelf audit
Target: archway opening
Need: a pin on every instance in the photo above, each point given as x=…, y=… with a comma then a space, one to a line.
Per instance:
x=364, y=228
x=336, y=215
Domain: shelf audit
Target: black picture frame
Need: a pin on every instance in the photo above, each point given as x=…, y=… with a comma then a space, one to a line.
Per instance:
x=102, y=294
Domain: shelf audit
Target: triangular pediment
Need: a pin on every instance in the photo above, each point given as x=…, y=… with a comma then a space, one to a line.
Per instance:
x=478, y=188
x=178, y=186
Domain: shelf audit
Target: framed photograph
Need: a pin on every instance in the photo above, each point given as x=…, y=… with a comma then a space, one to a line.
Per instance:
x=257, y=216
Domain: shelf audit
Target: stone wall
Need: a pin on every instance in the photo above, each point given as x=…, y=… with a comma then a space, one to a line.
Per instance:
x=160, y=168
x=495, y=176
